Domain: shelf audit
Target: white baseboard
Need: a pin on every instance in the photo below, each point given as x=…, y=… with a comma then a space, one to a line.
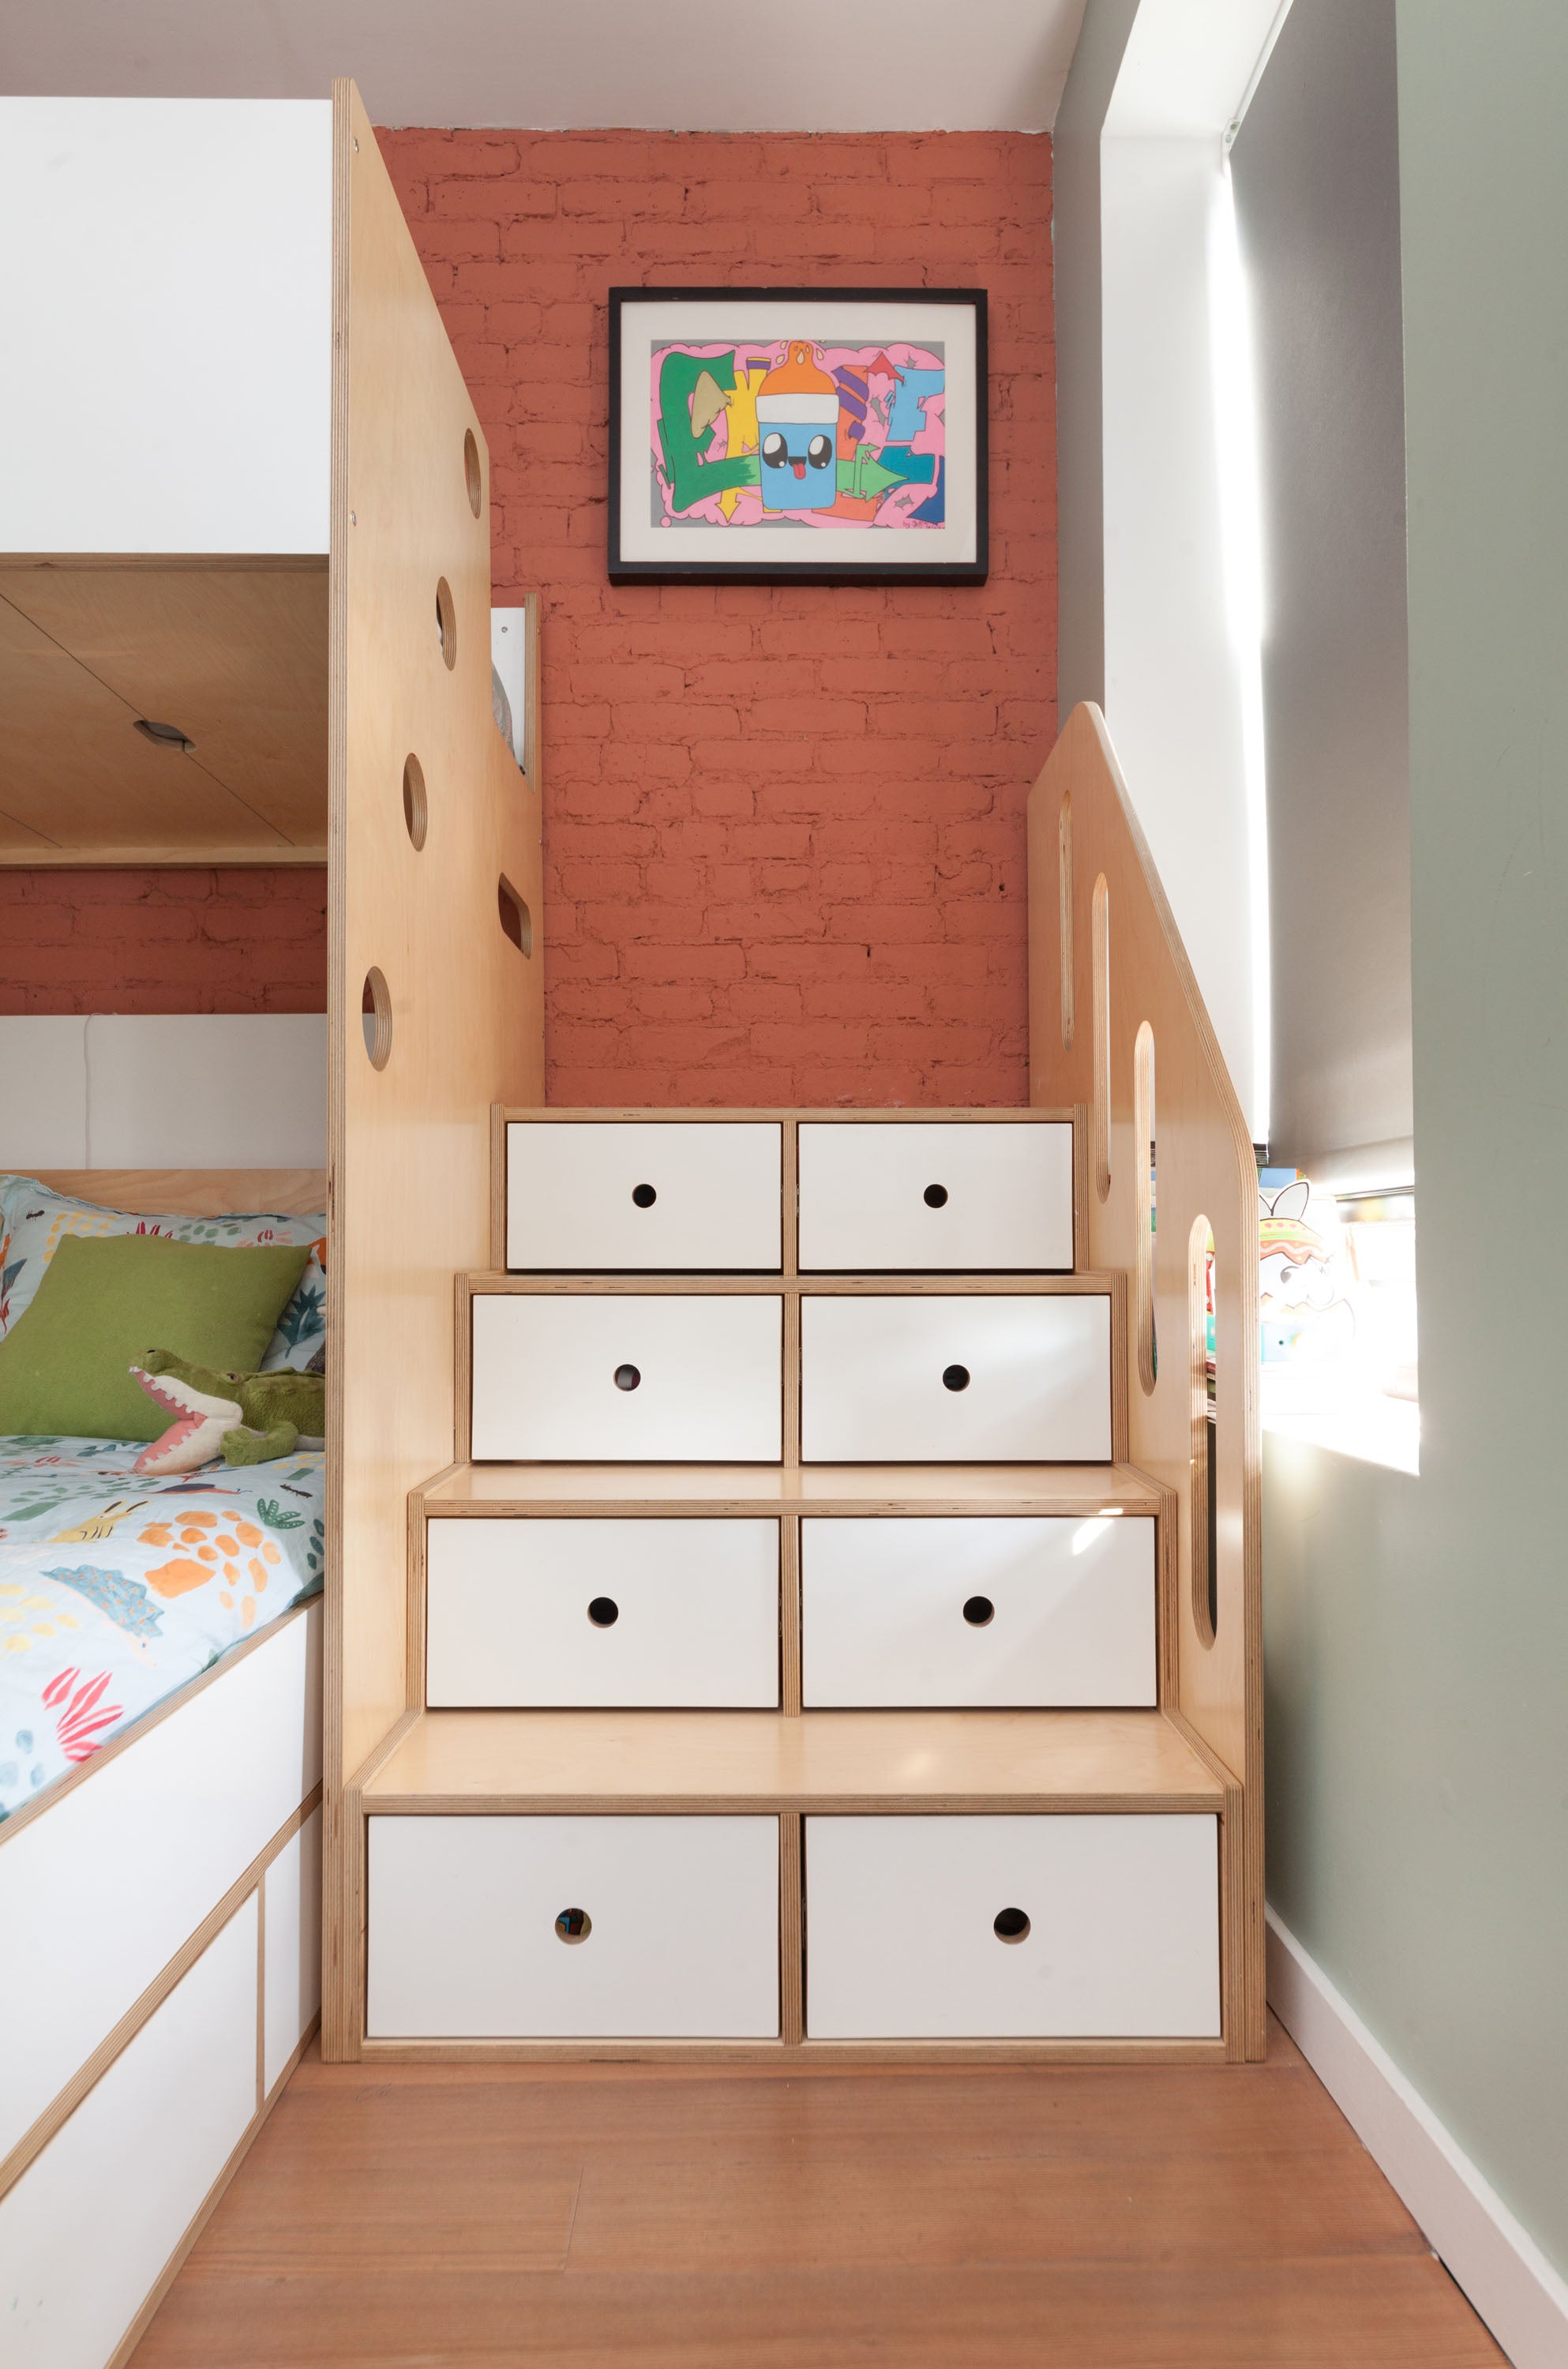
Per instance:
x=1523, y=2300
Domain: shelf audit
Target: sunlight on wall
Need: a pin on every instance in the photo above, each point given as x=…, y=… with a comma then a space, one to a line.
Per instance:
x=1241, y=534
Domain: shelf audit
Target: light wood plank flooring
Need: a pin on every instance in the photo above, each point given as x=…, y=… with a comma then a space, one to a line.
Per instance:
x=665, y=2218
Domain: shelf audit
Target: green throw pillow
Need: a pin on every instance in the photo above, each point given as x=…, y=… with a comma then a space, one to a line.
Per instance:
x=104, y=1301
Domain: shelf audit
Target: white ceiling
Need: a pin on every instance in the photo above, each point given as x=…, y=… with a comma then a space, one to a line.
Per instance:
x=687, y=65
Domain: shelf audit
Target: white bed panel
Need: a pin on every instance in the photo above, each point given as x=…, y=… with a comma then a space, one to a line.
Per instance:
x=165, y=280
x=76, y=1092
x=291, y=1946
x=262, y=1089
x=109, y=1882
x=87, y=2229
x=43, y=1091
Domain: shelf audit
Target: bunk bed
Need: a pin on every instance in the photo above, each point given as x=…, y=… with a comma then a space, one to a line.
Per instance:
x=243, y=621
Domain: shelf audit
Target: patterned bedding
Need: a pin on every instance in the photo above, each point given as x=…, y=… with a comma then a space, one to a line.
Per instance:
x=115, y=1589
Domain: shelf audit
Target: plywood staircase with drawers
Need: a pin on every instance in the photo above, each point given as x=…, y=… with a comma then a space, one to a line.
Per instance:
x=837, y=1634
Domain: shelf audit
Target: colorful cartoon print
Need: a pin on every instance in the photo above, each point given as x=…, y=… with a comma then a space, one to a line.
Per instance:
x=795, y=433
x=179, y=1570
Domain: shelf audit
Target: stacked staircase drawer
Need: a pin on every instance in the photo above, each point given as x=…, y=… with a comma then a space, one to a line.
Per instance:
x=794, y=1635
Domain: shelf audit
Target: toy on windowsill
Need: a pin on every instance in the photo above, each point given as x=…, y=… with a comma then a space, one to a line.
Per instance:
x=1304, y=1315
x=245, y=1418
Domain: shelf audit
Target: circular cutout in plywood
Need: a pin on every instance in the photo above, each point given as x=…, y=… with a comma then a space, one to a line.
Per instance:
x=604, y=1612
x=415, y=806
x=516, y=919
x=979, y=1611
x=446, y=622
x=1011, y=1925
x=473, y=476
x=955, y=1378
x=376, y=1012
x=574, y=1925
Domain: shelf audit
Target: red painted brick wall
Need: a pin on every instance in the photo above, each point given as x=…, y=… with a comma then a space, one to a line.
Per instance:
x=237, y=940
x=784, y=828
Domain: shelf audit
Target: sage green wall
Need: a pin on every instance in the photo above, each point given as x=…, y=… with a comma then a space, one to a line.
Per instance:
x=1416, y=1631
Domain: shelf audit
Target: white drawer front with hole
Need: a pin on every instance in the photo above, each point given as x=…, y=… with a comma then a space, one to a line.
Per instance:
x=653, y=1193
x=528, y=1614
x=1025, y=1378
x=1122, y=1918
x=644, y=1377
x=574, y=1929
x=1022, y=1612
x=884, y=1196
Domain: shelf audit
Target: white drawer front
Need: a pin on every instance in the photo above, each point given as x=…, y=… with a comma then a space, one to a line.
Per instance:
x=1038, y=1385
x=708, y=1389
x=1123, y=1938
x=1002, y=1612
x=577, y=1194
x=682, y=1938
x=525, y=1614
x=882, y=1196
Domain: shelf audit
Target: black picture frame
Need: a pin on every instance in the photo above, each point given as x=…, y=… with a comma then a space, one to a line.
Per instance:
x=642, y=566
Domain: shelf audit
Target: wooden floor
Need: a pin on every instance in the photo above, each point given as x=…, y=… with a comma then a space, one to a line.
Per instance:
x=668, y=2219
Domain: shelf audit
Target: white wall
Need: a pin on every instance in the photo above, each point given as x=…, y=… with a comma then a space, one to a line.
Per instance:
x=166, y=289
x=164, y=1089
x=1158, y=550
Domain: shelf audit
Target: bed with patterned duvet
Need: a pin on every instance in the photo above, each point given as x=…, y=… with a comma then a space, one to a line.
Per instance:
x=115, y=1589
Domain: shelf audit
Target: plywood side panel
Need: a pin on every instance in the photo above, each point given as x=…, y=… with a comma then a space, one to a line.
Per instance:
x=1099, y=921
x=463, y=1020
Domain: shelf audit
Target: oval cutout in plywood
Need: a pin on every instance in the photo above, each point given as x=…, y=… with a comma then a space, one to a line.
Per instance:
x=1100, y=966
x=416, y=805
x=375, y=1014
x=1203, y=1500
x=472, y=476
x=1143, y=1140
x=446, y=622
x=1064, y=891
x=518, y=922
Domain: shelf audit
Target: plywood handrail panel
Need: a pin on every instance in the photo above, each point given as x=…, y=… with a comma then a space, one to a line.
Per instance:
x=1106, y=961
x=409, y=1140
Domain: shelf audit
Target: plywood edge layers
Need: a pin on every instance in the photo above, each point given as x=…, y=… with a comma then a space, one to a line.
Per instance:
x=459, y=1026
x=1098, y=915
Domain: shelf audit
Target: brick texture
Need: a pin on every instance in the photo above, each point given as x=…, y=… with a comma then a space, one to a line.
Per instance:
x=783, y=827
x=238, y=940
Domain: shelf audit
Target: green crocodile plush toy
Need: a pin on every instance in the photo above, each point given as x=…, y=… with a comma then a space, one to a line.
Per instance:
x=245, y=1418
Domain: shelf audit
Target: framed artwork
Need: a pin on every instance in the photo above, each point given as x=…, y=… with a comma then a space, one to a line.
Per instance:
x=779, y=435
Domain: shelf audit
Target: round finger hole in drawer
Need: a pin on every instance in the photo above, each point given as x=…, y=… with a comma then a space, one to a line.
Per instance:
x=1011, y=1925
x=955, y=1378
x=644, y=1196
x=604, y=1612
x=574, y=1925
x=936, y=1196
x=979, y=1611
x=627, y=1378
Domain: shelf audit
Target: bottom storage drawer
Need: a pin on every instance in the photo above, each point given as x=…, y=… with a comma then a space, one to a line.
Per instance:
x=573, y=1928
x=1054, y=1927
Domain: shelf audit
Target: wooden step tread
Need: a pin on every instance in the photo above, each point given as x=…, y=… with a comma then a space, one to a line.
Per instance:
x=738, y=1762
x=903, y=1283
x=1084, y=1490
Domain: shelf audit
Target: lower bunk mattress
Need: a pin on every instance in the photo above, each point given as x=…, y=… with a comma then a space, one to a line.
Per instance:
x=116, y=1590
